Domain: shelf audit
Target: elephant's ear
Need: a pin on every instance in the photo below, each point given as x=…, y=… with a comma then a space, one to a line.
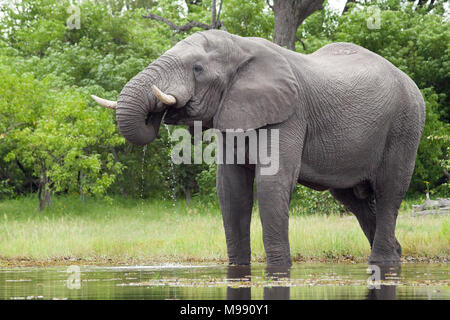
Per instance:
x=263, y=91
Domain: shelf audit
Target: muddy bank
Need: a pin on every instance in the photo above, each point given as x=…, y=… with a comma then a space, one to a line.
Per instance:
x=66, y=261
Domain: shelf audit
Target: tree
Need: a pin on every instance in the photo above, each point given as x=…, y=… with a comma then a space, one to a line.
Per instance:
x=289, y=15
x=53, y=132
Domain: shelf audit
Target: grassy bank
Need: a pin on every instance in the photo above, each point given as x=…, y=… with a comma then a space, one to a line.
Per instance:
x=131, y=231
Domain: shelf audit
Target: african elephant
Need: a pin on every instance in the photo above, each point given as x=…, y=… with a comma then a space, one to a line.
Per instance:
x=348, y=121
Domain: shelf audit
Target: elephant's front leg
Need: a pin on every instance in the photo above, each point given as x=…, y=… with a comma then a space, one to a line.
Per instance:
x=235, y=192
x=275, y=189
x=273, y=201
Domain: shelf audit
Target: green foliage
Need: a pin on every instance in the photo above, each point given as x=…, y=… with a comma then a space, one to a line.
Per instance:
x=56, y=134
x=308, y=201
x=206, y=181
x=99, y=58
x=6, y=190
x=433, y=153
x=248, y=18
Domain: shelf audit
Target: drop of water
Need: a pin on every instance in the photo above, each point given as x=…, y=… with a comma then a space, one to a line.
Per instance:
x=143, y=178
x=173, y=178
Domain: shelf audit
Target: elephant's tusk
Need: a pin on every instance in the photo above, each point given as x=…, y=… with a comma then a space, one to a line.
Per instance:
x=167, y=99
x=105, y=103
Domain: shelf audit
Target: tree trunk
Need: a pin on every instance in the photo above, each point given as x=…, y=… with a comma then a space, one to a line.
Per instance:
x=188, y=195
x=119, y=181
x=286, y=26
x=289, y=15
x=82, y=195
x=44, y=193
x=213, y=14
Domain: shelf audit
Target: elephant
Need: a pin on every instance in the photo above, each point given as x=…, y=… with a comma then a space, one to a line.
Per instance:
x=348, y=121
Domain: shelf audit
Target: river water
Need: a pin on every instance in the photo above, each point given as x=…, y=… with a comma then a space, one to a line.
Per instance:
x=173, y=281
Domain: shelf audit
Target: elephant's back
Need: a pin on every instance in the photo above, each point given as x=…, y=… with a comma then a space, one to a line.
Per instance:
x=345, y=59
x=354, y=74
x=343, y=50
x=338, y=48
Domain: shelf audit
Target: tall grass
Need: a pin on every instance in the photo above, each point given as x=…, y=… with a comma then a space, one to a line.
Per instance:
x=130, y=231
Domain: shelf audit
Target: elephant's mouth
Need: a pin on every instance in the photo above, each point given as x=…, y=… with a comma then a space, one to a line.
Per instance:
x=176, y=116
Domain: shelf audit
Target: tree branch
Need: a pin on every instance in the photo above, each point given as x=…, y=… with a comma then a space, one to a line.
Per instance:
x=186, y=27
x=2, y=135
x=446, y=174
x=303, y=44
x=218, y=22
x=213, y=14
x=222, y=26
x=307, y=8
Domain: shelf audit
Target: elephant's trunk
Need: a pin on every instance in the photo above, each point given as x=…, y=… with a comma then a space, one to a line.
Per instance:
x=142, y=104
x=137, y=114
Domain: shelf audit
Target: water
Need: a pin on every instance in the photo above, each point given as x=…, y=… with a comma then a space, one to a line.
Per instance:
x=173, y=177
x=143, y=178
x=302, y=281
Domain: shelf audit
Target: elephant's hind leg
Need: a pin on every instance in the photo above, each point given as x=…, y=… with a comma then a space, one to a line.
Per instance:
x=363, y=209
x=392, y=182
x=235, y=192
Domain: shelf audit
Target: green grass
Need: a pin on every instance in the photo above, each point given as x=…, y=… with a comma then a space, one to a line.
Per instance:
x=132, y=231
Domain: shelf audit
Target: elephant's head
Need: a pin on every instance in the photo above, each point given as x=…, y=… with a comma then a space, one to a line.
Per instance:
x=226, y=81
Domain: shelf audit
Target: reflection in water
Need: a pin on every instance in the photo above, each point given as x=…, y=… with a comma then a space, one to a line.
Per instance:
x=277, y=292
x=381, y=283
x=236, y=275
x=242, y=275
x=302, y=281
x=386, y=289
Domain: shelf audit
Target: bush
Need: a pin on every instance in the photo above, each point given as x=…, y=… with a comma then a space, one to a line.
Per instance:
x=308, y=201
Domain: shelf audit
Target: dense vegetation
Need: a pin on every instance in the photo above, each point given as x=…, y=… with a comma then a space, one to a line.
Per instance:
x=54, y=139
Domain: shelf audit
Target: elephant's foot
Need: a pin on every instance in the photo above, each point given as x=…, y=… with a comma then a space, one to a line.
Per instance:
x=279, y=259
x=386, y=254
x=384, y=258
x=239, y=259
x=284, y=264
x=238, y=263
x=384, y=261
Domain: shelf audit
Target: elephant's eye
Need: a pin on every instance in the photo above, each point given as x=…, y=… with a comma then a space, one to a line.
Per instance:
x=198, y=68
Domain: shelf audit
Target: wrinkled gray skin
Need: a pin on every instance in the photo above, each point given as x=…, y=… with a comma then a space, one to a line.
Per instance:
x=349, y=121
